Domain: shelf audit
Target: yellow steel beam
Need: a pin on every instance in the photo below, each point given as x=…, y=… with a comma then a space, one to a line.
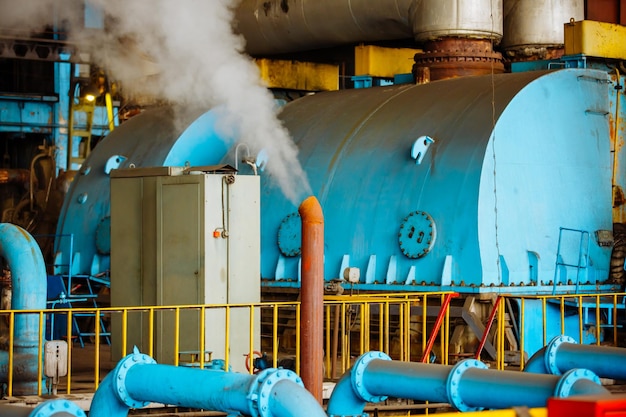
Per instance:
x=599, y=39
x=377, y=61
x=301, y=76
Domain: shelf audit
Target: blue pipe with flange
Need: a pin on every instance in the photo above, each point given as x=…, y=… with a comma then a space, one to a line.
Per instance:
x=467, y=386
x=51, y=408
x=563, y=354
x=29, y=282
x=138, y=380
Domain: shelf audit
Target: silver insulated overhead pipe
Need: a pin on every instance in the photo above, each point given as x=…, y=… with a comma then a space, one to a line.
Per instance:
x=280, y=26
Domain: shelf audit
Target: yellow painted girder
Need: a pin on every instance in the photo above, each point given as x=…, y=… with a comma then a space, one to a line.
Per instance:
x=296, y=75
x=599, y=39
x=377, y=61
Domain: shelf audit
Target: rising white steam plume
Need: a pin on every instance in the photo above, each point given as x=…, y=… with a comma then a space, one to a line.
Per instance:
x=194, y=59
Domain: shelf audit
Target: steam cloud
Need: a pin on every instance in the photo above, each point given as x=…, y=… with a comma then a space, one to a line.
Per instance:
x=182, y=51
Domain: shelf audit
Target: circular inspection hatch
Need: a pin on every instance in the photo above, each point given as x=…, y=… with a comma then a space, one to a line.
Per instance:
x=417, y=234
x=290, y=235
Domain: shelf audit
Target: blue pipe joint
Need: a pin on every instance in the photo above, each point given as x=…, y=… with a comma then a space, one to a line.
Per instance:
x=357, y=376
x=566, y=383
x=550, y=354
x=260, y=390
x=454, y=381
x=121, y=372
x=219, y=365
x=57, y=406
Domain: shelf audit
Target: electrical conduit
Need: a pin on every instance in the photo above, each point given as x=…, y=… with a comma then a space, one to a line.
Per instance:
x=563, y=354
x=138, y=380
x=467, y=386
x=28, y=278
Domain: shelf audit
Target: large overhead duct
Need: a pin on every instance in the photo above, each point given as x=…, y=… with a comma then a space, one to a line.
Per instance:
x=458, y=36
x=279, y=26
x=536, y=27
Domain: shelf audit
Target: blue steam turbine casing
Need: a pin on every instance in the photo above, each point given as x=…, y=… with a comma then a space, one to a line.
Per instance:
x=459, y=184
x=159, y=137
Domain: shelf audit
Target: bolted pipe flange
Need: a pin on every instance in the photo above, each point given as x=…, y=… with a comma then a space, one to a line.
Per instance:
x=120, y=373
x=566, y=383
x=358, y=371
x=454, y=380
x=549, y=356
x=52, y=407
x=260, y=390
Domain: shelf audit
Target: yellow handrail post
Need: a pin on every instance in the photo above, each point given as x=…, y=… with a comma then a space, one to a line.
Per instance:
x=614, y=319
x=521, y=333
x=69, y=351
x=544, y=320
x=151, y=331
x=40, y=351
x=598, y=322
x=580, y=319
x=176, y=335
x=97, y=348
x=202, y=336
x=251, y=344
x=344, y=354
x=11, y=358
x=275, y=337
x=298, y=339
x=424, y=317
x=387, y=321
x=227, y=338
x=562, y=304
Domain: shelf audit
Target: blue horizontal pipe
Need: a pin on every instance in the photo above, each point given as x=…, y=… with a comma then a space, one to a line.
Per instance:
x=563, y=354
x=466, y=386
x=486, y=388
x=29, y=282
x=137, y=380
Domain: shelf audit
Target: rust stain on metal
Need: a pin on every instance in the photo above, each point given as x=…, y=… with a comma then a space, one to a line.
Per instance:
x=458, y=57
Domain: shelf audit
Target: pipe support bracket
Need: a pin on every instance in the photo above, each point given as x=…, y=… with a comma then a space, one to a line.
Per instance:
x=260, y=390
x=566, y=383
x=551, y=350
x=454, y=381
x=121, y=371
x=358, y=372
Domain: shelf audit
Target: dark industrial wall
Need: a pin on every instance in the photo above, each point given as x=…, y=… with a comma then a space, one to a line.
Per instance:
x=612, y=11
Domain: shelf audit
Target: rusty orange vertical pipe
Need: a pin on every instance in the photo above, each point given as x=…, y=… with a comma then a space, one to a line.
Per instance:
x=312, y=296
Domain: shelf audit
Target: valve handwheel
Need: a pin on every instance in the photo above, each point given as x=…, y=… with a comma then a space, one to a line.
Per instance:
x=256, y=355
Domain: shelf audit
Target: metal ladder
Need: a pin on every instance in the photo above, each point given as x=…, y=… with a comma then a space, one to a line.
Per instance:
x=72, y=281
x=80, y=119
x=583, y=256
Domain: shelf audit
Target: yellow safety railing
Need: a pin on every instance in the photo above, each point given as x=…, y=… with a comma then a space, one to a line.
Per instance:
x=603, y=308
x=396, y=324
x=354, y=325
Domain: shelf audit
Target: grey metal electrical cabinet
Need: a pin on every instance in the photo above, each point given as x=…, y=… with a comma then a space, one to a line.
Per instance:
x=185, y=237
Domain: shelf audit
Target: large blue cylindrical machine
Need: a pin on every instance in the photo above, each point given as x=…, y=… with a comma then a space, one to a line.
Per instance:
x=478, y=184
x=158, y=137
